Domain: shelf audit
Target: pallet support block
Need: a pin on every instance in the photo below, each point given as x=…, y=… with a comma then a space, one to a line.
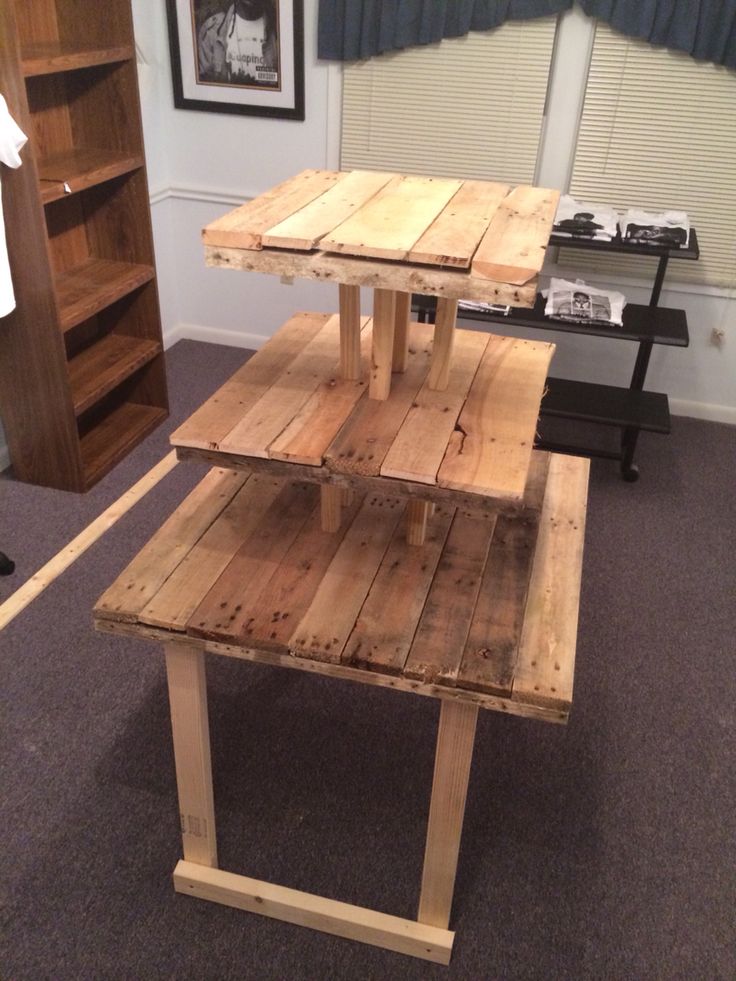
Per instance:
x=384, y=316
x=349, y=332
x=444, y=340
x=401, y=331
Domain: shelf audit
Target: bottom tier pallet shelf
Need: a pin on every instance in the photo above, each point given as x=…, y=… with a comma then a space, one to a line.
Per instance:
x=484, y=615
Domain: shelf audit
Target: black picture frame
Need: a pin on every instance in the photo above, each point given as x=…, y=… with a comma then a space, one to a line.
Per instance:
x=204, y=44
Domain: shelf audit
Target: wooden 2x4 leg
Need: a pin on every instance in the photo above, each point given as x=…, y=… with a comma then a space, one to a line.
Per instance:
x=197, y=875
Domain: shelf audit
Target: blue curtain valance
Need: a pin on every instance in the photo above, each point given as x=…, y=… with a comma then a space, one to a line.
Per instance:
x=353, y=29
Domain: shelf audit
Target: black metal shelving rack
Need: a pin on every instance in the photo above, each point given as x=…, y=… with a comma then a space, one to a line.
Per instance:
x=629, y=409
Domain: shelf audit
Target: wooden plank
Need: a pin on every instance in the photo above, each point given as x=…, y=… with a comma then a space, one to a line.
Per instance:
x=268, y=418
x=185, y=672
x=453, y=236
x=384, y=630
x=546, y=664
x=354, y=271
x=220, y=413
x=382, y=351
x=140, y=581
x=329, y=621
x=402, y=320
x=33, y=587
x=350, y=362
x=305, y=228
x=419, y=447
x=361, y=445
x=492, y=648
x=455, y=739
x=311, y=431
x=513, y=248
x=187, y=586
x=305, y=909
x=390, y=223
x=225, y=610
x=442, y=632
x=343, y=672
x=490, y=450
x=244, y=227
x=291, y=589
x=444, y=341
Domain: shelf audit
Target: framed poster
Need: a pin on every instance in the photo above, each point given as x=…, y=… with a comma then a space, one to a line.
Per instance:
x=242, y=56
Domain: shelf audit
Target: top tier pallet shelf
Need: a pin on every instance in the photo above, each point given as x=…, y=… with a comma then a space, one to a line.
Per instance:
x=82, y=377
x=431, y=422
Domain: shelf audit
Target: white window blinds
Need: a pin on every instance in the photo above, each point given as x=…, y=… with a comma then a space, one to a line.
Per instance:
x=658, y=131
x=469, y=107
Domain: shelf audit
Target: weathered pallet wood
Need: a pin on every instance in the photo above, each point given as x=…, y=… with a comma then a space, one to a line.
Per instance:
x=443, y=628
x=419, y=447
x=360, y=271
x=392, y=221
x=324, y=629
x=385, y=628
x=454, y=235
x=223, y=613
x=491, y=448
x=305, y=228
x=244, y=227
x=364, y=440
x=220, y=413
x=513, y=248
x=136, y=586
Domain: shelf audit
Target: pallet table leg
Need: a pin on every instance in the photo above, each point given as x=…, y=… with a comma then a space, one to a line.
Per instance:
x=384, y=315
x=447, y=809
x=444, y=339
x=350, y=332
x=401, y=331
x=331, y=500
x=417, y=513
x=185, y=670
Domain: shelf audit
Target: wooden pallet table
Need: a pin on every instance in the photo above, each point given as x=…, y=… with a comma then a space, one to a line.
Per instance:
x=399, y=234
x=483, y=616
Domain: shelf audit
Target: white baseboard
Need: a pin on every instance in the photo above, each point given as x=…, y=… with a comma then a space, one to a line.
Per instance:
x=701, y=410
x=213, y=335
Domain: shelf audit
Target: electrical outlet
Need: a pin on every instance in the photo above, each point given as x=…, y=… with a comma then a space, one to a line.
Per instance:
x=717, y=336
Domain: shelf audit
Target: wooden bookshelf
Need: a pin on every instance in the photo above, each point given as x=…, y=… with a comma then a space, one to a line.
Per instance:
x=82, y=377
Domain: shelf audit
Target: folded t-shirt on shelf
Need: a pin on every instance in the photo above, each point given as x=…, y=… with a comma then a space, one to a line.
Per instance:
x=576, y=220
x=581, y=303
x=666, y=228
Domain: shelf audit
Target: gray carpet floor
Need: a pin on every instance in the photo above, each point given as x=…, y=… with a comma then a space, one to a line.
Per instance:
x=604, y=849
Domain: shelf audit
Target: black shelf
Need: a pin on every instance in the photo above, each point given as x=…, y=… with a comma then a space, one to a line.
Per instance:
x=629, y=409
x=606, y=405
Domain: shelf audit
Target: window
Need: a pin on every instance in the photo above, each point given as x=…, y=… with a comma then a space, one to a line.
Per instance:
x=468, y=107
x=658, y=131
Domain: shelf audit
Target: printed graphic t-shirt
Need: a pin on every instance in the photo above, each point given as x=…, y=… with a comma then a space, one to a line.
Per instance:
x=12, y=139
x=245, y=48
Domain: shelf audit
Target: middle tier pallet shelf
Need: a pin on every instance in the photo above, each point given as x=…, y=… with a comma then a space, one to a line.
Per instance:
x=287, y=410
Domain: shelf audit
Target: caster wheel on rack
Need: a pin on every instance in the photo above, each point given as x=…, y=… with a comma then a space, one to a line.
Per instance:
x=631, y=474
x=7, y=566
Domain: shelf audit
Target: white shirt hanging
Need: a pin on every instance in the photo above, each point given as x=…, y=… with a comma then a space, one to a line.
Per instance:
x=12, y=139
